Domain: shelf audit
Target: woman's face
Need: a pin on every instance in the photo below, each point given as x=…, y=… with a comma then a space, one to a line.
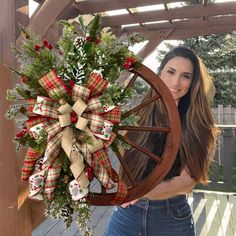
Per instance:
x=177, y=74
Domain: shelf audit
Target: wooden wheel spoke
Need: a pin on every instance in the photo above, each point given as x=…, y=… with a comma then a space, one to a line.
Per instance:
x=145, y=128
x=126, y=169
x=103, y=190
x=140, y=106
x=139, y=148
x=131, y=82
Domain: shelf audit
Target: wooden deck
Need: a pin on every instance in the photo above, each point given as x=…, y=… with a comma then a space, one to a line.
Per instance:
x=214, y=215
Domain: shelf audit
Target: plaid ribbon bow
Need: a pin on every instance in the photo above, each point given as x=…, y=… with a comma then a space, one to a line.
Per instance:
x=55, y=115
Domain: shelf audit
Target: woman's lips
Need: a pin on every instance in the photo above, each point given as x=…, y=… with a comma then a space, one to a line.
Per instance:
x=174, y=90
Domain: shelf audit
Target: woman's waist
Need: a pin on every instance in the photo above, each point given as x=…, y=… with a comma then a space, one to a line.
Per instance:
x=147, y=203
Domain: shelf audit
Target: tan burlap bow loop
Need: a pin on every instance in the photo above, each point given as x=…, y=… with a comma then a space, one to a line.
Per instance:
x=76, y=158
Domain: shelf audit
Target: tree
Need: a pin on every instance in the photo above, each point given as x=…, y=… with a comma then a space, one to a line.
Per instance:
x=219, y=55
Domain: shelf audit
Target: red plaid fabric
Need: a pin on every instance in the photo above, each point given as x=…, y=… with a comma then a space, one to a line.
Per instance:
x=114, y=115
x=52, y=127
x=54, y=85
x=53, y=149
x=101, y=173
x=48, y=108
x=32, y=122
x=103, y=160
x=31, y=102
x=30, y=160
x=95, y=122
x=80, y=92
x=95, y=106
x=120, y=194
x=107, y=143
x=83, y=148
x=96, y=83
x=51, y=180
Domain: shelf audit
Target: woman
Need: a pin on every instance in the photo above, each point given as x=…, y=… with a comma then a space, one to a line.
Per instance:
x=165, y=210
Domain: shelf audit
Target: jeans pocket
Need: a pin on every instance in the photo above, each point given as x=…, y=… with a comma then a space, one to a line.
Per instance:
x=181, y=211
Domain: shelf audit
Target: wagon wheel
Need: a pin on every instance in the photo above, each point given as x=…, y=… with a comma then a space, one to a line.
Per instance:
x=168, y=156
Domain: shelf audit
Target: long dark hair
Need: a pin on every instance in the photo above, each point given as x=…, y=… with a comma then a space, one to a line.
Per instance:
x=199, y=133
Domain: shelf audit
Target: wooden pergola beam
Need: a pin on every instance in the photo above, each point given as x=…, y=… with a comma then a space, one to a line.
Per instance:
x=195, y=11
x=222, y=22
x=91, y=6
x=46, y=16
x=179, y=34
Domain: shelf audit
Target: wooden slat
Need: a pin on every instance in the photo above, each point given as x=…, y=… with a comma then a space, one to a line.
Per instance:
x=224, y=210
x=232, y=201
x=212, y=220
x=194, y=11
x=154, y=41
x=186, y=24
x=91, y=6
x=205, y=2
x=179, y=34
x=46, y=16
x=188, y=33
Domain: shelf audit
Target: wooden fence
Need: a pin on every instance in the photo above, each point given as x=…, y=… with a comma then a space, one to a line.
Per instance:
x=223, y=169
x=225, y=115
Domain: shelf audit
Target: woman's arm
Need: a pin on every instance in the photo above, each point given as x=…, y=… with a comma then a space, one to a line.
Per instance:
x=178, y=185
x=181, y=184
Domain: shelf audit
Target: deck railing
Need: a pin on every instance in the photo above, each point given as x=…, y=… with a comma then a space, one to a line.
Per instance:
x=223, y=169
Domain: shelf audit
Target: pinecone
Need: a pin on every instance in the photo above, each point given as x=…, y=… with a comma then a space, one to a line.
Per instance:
x=66, y=213
x=79, y=41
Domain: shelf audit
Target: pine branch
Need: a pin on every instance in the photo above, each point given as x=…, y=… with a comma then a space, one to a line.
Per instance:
x=94, y=27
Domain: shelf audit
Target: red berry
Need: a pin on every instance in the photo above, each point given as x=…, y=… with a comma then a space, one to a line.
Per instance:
x=22, y=133
x=45, y=43
x=97, y=41
x=24, y=79
x=73, y=117
x=50, y=47
x=88, y=38
x=37, y=48
x=129, y=61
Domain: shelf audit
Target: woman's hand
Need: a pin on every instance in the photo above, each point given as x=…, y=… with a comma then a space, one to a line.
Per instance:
x=128, y=204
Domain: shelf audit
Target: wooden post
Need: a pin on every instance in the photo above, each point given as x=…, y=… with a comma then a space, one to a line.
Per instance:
x=220, y=115
x=8, y=164
x=12, y=221
x=227, y=115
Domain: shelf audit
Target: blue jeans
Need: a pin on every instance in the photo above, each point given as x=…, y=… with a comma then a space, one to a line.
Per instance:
x=171, y=217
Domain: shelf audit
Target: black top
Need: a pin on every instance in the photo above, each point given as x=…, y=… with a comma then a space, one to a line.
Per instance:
x=174, y=171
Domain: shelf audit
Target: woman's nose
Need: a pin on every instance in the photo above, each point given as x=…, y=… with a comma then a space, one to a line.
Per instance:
x=176, y=80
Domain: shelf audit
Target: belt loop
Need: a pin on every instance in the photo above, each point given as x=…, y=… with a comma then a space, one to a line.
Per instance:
x=168, y=207
x=146, y=206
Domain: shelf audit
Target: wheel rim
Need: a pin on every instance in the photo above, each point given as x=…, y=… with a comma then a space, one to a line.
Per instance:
x=137, y=190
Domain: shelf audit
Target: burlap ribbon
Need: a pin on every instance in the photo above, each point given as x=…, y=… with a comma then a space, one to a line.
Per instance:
x=54, y=115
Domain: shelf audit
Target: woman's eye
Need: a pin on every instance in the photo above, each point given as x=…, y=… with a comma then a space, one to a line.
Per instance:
x=187, y=76
x=171, y=72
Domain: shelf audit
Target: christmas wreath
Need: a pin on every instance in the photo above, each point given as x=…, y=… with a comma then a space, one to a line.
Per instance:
x=69, y=103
